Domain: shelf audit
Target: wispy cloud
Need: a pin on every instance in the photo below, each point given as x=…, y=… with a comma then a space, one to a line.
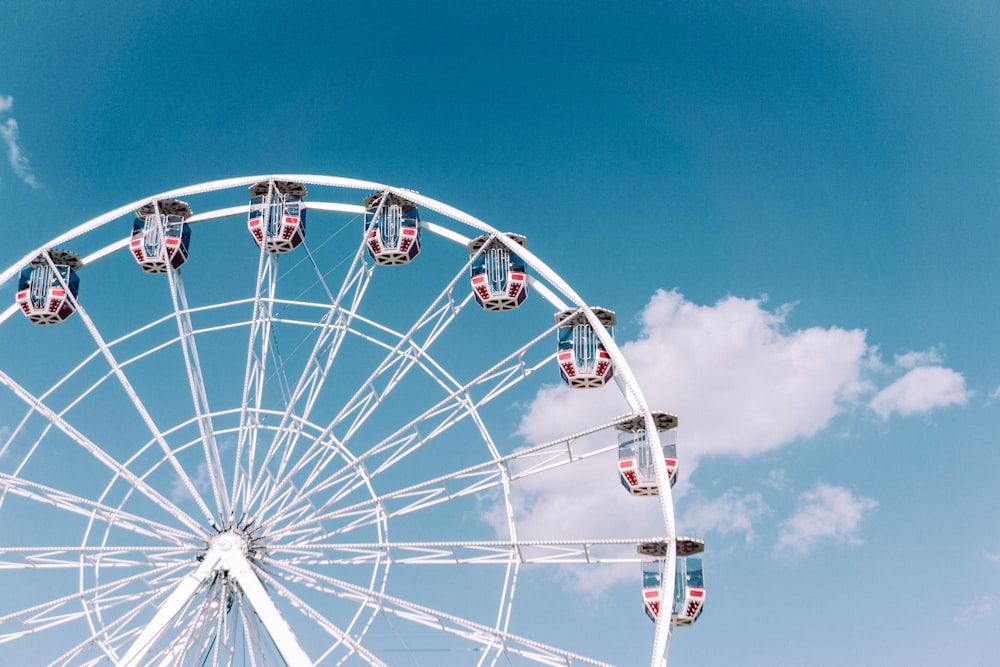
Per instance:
x=981, y=606
x=825, y=514
x=202, y=483
x=734, y=512
x=930, y=357
x=10, y=136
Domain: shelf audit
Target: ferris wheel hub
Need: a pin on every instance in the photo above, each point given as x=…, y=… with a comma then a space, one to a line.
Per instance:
x=231, y=540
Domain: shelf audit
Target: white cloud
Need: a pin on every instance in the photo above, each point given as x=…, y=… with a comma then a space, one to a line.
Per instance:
x=567, y=503
x=581, y=501
x=10, y=136
x=825, y=514
x=929, y=357
x=730, y=514
x=740, y=381
x=921, y=390
x=743, y=382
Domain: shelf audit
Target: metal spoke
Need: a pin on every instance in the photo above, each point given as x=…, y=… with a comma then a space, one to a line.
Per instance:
x=75, y=558
x=103, y=637
x=476, y=633
x=476, y=479
x=196, y=382
x=319, y=619
x=456, y=407
x=332, y=329
x=400, y=358
x=496, y=552
x=254, y=371
x=99, y=454
x=41, y=613
x=251, y=635
x=135, y=400
x=91, y=509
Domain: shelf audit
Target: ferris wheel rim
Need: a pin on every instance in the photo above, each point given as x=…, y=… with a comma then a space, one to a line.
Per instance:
x=631, y=388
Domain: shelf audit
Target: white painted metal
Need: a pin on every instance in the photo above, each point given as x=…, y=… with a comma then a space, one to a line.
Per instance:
x=181, y=596
x=296, y=494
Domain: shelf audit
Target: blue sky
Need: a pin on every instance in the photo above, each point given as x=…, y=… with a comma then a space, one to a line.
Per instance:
x=791, y=206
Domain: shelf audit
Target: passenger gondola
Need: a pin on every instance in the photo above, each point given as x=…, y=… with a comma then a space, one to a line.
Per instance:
x=584, y=361
x=277, y=219
x=689, y=590
x=42, y=287
x=499, y=277
x=161, y=236
x=392, y=228
x=635, y=461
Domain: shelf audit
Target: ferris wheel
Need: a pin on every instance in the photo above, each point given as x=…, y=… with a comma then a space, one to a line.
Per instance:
x=231, y=442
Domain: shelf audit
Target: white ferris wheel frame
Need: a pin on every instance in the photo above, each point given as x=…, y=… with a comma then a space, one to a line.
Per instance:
x=227, y=550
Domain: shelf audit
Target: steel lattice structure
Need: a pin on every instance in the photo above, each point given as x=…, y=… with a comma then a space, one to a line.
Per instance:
x=230, y=463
